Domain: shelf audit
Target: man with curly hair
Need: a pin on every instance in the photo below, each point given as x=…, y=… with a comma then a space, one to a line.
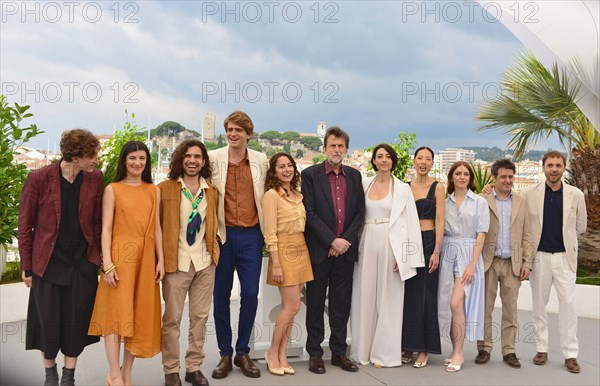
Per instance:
x=188, y=216
x=60, y=221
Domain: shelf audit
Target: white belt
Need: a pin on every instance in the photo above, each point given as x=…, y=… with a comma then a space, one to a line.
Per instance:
x=380, y=220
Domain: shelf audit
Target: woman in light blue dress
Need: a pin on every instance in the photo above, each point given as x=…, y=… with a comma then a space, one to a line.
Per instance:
x=461, y=287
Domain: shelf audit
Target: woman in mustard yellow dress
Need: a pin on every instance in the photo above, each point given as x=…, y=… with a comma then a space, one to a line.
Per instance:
x=289, y=262
x=127, y=306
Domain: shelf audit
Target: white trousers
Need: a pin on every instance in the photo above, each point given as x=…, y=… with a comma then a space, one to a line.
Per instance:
x=549, y=269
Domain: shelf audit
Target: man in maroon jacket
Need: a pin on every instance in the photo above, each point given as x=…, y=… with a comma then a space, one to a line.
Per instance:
x=60, y=222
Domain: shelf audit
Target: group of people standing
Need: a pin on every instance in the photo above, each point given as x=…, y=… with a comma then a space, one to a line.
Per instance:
x=405, y=261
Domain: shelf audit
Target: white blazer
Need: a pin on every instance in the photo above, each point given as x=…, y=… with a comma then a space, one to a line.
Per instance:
x=404, y=229
x=574, y=217
x=259, y=165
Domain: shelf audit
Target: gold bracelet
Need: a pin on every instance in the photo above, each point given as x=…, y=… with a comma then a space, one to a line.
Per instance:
x=110, y=270
x=105, y=271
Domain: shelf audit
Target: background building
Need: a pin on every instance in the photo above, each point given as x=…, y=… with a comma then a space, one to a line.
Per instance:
x=450, y=155
x=208, y=126
x=321, y=129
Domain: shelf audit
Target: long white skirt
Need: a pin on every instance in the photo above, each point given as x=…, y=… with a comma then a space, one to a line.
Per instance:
x=377, y=301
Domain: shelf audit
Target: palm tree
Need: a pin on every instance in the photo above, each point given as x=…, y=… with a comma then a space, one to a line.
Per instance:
x=538, y=103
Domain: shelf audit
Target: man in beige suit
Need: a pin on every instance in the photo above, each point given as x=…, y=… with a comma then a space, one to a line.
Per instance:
x=239, y=174
x=507, y=254
x=558, y=214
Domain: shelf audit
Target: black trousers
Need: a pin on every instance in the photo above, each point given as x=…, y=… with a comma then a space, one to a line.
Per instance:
x=58, y=317
x=420, y=330
x=334, y=273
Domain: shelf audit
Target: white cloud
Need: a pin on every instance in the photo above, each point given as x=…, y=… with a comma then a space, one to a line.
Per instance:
x=171, y=59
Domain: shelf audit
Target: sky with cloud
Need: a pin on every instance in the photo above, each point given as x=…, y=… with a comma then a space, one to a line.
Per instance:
x=375, y=68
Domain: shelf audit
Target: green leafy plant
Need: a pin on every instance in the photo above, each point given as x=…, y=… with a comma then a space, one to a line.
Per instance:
x=12, y=174
x=403, y=144
x=318, y=159
x=109, y=155
x=482, y=177
x=12, y=274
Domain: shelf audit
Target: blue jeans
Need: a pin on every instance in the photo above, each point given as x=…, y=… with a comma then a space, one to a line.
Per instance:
x=241, y=252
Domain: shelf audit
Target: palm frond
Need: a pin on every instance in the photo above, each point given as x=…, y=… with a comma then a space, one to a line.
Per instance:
x=538, y=103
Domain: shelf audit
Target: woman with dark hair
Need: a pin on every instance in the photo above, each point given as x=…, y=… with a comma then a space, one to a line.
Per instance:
x=384, y=264
x=289, y=262
x=461, y=287
x=128, y=301
x=420, y=330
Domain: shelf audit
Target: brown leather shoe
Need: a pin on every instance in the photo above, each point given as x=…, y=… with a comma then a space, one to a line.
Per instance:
x=343, y=362
x=196, y=378
x=482, y=357
x=540, y=358
x=316, y=365
x=512, y=360
x=244, y=362
x=172, y=379
x=572, y=365
x=223, y=368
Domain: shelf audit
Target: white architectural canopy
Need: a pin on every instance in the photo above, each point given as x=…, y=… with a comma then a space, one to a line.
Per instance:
x=565, y=32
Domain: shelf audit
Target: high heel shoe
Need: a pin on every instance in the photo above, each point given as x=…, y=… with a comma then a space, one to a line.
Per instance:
x=288, y=370
x=447, y=362
x=406, y=358
x=419, y=365
x=274, y=371
x=108, y=380
x=453, y=368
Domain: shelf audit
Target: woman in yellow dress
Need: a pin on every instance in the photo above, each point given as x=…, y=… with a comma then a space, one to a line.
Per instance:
x=127, y=306
x=289, y=262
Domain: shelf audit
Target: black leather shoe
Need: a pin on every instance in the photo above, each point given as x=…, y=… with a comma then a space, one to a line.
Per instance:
x=196, y=378
x=51, y=376
x=316, y=365
x=223, y=368
x=172, y=379
x=68, y=377
x=482, y=357
x=244, y=362
x=512, y=360
x=343, y=362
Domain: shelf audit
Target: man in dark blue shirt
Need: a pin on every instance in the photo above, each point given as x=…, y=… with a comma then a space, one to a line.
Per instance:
x=558, y=214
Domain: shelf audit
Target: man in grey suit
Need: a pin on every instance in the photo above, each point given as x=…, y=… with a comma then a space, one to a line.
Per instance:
x=558, y=214
x=335, y=208
x=507, y=254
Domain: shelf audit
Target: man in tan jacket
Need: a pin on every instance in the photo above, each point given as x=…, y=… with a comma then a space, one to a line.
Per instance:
x=239, y=174
x=188, y=216
x=558, y=215
x=507, y=254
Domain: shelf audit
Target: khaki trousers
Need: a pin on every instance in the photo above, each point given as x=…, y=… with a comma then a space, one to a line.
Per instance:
x=500, y=272
x=175, y=286
x=553, y=269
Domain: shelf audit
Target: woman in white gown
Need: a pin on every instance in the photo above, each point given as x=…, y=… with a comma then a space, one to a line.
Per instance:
x=389, y=253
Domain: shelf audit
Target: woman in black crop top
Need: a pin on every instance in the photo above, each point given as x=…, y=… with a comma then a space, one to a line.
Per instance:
x=420, y=330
